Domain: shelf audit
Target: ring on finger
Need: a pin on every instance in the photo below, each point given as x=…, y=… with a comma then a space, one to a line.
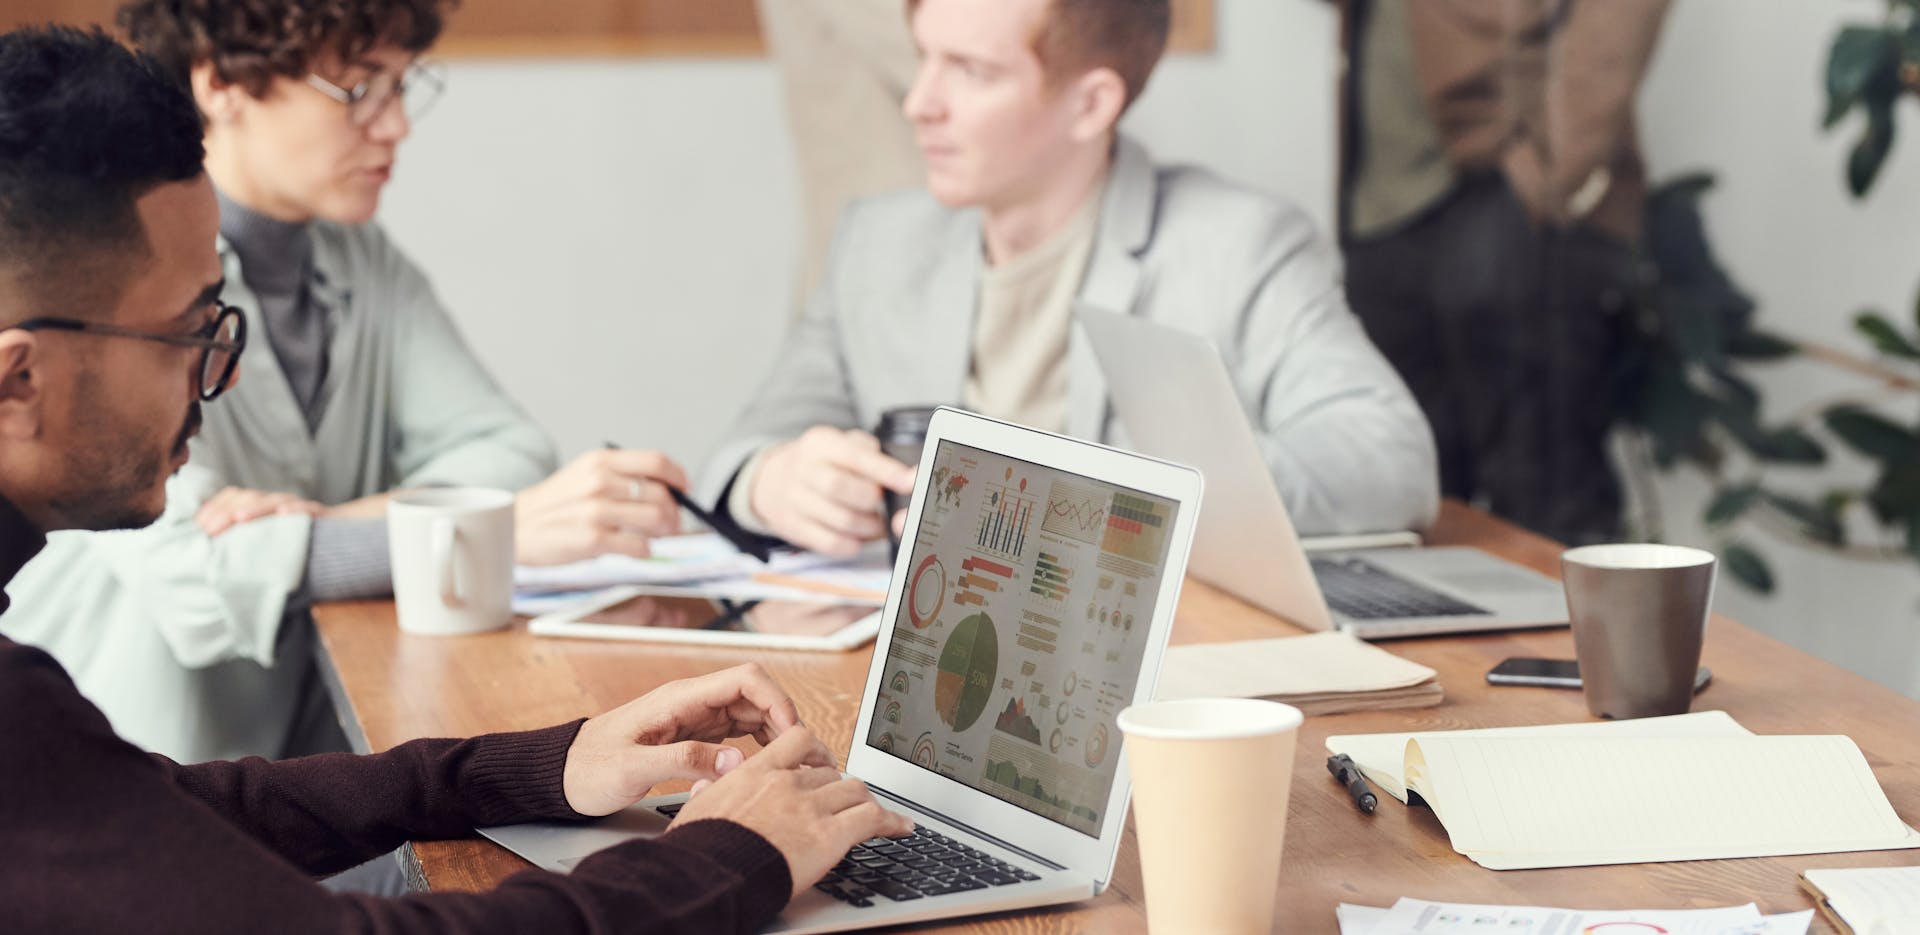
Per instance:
x=636, y=490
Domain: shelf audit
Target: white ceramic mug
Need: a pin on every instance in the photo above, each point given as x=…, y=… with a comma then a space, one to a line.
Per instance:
x=452, y=553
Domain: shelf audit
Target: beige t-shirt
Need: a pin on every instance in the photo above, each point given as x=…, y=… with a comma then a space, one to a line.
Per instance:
x=1018, y=366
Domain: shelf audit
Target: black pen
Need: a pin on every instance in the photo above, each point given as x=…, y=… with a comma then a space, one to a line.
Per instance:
x=1342, y=768
x=740, y=538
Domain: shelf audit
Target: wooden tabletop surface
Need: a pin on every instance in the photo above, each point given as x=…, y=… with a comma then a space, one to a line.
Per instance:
x=401, y=687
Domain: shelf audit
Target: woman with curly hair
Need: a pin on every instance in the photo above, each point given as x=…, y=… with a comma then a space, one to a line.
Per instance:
x=362, y=386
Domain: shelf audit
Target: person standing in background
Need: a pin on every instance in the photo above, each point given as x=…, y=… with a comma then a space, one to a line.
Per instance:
x=845, y=66
x=1493, y=191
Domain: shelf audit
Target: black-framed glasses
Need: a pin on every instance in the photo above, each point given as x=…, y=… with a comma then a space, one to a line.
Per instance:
x=220, y=342
x=419, y=86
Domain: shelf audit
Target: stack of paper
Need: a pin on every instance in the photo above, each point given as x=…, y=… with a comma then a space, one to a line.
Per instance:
x=1597, y=796
x=1319, y=674
x=1420, y=917
x=710, y=564
x=1868, y=900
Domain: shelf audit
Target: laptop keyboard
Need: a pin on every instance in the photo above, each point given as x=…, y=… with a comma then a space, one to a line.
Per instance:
x=1360, y=590
x=927, y=863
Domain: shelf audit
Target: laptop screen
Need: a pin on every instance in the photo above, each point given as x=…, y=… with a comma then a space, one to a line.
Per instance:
x=1023, y=623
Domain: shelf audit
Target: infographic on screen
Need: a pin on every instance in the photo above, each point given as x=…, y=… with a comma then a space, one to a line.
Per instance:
x=1022, y=630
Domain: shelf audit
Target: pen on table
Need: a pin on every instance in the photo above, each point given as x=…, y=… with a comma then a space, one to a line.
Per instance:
x=1342, y=768
x=740, y=538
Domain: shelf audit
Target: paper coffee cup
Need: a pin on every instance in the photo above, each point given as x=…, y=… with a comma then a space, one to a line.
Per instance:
x=1211, y=778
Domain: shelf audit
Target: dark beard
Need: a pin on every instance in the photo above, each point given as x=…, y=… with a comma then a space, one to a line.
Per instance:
x=106, y=485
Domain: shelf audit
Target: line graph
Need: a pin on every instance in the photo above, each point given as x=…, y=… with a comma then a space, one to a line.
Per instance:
x=1075, y=512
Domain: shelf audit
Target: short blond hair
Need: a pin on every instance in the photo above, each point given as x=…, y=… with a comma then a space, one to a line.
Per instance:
x=1128, y=36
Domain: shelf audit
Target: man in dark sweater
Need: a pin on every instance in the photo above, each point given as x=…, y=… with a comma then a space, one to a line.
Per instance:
x=111, y=337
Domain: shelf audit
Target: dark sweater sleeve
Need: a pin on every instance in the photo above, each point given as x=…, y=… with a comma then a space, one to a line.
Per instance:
x=420, y=790
x=104, y=838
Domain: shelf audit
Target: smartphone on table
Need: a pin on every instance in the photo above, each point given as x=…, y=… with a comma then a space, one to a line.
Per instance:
x=1558, y=673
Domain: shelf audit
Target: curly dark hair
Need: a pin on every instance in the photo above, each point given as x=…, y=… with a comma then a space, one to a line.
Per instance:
x=249, y=42
x=87, y=128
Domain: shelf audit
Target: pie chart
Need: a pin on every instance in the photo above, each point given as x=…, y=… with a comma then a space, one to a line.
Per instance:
x=968, y=664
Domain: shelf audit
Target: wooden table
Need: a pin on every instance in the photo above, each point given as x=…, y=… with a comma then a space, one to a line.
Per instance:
x=399, y=687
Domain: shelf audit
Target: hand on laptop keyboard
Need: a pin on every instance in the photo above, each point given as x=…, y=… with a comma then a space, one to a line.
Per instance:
x=925, y=863
x=809, y=813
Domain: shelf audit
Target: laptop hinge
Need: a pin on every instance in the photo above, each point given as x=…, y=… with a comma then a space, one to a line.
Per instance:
x=976, y=832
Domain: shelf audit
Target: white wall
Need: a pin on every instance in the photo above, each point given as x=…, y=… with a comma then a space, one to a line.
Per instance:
x=616, y=237
x=1740, y=95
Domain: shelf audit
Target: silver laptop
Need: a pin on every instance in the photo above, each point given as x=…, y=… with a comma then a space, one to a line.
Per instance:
x=1246, y=543
x=1031, y=604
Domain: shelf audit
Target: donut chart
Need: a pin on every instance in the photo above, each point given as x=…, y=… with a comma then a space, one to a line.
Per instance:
x=924, y=603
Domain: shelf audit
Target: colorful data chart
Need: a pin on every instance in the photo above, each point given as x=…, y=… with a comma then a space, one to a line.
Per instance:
x=968, y=665
x=1095, y=747
x=926, y=592
x=947, y=487
x=1004, y=521
x=1136, y=528
x=1015, y=720
x=1007, y=775
x=923, y=751
x=1075, y=512
x=980, y=577
x=1050, y=579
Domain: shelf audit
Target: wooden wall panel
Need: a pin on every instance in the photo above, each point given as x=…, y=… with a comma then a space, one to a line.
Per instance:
x=519, y=28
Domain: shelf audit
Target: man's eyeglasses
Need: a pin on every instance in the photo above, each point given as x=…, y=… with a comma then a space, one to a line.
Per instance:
x=220, y=342
x=419, y=86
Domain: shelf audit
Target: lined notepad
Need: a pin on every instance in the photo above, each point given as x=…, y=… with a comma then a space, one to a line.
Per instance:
x=1321, y=673
x=1382, y=757
x=1868, y=900
x=1565, y=798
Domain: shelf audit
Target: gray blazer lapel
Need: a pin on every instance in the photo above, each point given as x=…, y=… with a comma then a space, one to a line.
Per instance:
x=1112, y=281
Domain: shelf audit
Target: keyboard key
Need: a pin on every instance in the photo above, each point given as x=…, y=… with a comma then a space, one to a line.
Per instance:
x=896, y=891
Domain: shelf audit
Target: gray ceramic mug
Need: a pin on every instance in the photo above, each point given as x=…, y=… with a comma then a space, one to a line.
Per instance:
x=1639, y=614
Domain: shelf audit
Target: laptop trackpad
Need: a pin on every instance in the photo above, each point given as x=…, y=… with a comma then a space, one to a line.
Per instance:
x=1491, y=581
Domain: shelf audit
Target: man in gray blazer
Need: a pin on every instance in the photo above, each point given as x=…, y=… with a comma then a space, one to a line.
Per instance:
x=965, y=292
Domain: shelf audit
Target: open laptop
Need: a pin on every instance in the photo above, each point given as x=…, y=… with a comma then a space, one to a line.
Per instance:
x=1246, y=543
x=1031, y=603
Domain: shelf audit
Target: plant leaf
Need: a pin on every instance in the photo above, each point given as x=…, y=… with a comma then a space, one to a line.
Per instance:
x=1896, y=493
x=1730, y=502
x=1857, y=54
x=1759, y=345
x=1747, y=567
x=1863, y=164
x=1815, y=522
x=1885, y=337
x=1872, y=434
x=1786, y=445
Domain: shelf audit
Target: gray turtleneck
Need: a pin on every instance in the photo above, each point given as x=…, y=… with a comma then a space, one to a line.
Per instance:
x=347, y=558
x=276, y=257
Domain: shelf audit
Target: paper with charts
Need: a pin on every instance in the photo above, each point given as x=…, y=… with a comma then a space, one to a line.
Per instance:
x=1420, y=917
x=1021, y=630
x=1521, y=800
